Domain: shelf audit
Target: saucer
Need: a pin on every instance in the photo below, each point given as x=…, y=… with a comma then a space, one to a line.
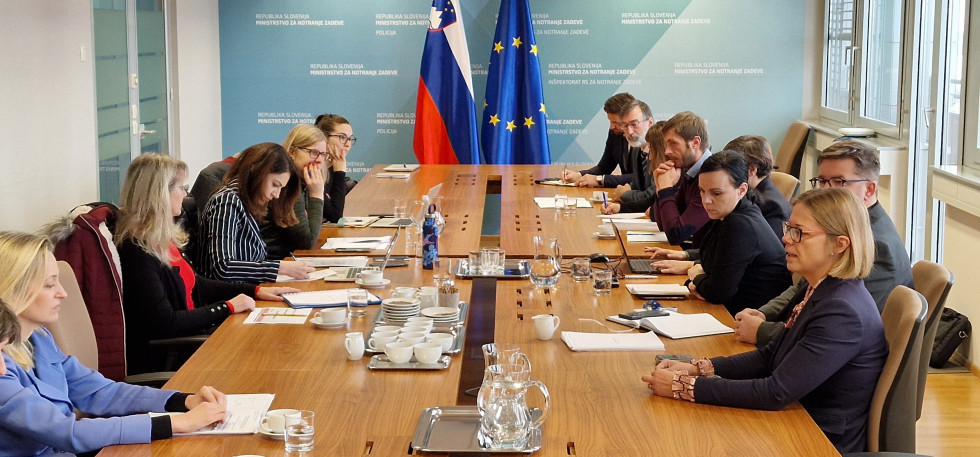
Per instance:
x=315, y=320
x=381, y=285
x=264, y=431
x=604, y=237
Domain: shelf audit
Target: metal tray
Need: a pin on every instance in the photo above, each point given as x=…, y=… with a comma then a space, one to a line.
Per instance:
x=456, y=429
x=381, y=362
x=513, y=269
x=459, y=332
x=464, y=309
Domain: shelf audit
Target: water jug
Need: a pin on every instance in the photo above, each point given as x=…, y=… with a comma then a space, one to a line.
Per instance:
x=546, y=265
x=506, y=421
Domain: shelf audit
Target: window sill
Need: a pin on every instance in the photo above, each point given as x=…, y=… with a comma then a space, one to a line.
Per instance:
x=958, y=186
x=893, y=153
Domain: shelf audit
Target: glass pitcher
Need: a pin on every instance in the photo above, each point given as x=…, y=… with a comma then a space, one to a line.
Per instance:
x=506, y=421
x=546, y=265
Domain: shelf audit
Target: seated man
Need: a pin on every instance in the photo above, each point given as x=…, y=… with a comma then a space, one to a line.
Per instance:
x=617, y=153
x=854, y=166
x=678, y=207
x=775, y=208
x=639, y=196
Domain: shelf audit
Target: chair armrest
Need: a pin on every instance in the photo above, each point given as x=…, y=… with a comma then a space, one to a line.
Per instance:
x=155, y=379
x=195, y=340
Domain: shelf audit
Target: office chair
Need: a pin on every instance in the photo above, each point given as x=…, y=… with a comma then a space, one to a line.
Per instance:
x=787, y=184
x=891, y=419
x=933, y=281
x=790, y=156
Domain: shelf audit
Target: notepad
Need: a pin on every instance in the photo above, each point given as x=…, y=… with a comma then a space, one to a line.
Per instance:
x=243, y=415
x=677, y=325
x=556, y=182
x=635, y=224
x=598, y=342
x=402, y=167
x=371, y=242
x=356, y=221
x=549, y=202
x=278, y=316
x=323, y=299
x=393, y=175
x=645, y=237
x=658, y=290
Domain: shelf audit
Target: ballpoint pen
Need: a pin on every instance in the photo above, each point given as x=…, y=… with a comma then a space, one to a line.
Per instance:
x=605, y=203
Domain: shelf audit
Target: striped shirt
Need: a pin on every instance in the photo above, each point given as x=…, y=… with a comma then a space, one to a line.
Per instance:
x=231, y=243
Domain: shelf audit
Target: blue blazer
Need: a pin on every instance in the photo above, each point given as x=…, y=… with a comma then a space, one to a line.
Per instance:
x=37, y=406
x=829, y=361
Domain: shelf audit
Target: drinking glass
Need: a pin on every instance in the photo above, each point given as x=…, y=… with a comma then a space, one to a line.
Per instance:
x=581, y=269
x=571, y=205
x=400, y=209
x=560, y=202
x=413, y=240
x=299, y=431
x=489, y=258
x=357, y=301
x=474, y=265
x=602, y=284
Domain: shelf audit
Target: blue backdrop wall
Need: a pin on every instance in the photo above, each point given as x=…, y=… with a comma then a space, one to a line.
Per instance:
x=737, y=63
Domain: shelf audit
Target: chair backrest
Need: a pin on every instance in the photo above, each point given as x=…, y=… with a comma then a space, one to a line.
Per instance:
x=787, y=184
x=790, y=154
x=73, y=330
x=891, y=419
x=933, y=281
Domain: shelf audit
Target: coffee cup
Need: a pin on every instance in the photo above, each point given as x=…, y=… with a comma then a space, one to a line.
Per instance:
x=333, y=315
x=411, y=328
x=404, y=292
x=386, y=328
x=427, y=298
x=605, y=230
x=545, y=325
x=399, y=352
x=412, y=337
x=427, y=352
x=370, y=277
x=275, y=419
x=380, y=339
x=420, y=321
x=354, y=344
x=444, y=339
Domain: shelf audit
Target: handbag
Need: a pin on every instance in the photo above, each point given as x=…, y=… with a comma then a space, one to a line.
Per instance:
x=952, y=329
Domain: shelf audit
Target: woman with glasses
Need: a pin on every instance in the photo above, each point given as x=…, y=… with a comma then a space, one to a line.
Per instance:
x=832, y=351
x=259, y=186
x=307, y=146
x=41, y=387
x=740, y=262
x=162, y=295
x=340, y=138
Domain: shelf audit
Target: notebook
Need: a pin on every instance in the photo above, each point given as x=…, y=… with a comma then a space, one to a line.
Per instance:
x=658, y=290
x=677, y=325
x=402, y=167
x=323, y=299
x=584, y=342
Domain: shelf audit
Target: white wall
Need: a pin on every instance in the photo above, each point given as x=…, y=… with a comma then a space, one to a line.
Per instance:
x=960, y=253
x=48, y=144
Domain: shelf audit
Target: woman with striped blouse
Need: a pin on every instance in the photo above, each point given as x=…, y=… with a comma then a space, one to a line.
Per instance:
x=258, y=186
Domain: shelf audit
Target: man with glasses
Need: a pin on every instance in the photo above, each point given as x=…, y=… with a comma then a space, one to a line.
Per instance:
x=854, y=166
x=678, y=209
x=618, y=152
x=638, y=195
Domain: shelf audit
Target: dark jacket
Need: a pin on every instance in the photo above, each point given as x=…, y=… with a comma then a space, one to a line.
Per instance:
x=829, y=361
x=774, y=206
x=744, y=263
x=155, y=306
x=616, y=153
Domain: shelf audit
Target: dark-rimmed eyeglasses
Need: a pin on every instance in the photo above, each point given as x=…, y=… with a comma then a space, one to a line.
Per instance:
x=344, y=139
x=634, y=124
x=833, y=182
x=312, y=152
x=795, y=234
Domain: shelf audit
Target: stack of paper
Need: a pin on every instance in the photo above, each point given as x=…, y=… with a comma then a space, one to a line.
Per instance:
x=635, y=224
x=549, y=202
x=243, y=415
x=278, y=316
x=676, y=325
x=402, y=167
x=371, y=242
x=645, y=237
x=339, y=261
x=323, y=299
x=658, y=290
x=578, y=341
x=625, y=216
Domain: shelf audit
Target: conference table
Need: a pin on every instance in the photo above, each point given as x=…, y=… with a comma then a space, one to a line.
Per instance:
x=600, y=407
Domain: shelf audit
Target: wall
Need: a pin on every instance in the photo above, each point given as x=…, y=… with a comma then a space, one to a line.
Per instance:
x=960, y=254
x=47, y=111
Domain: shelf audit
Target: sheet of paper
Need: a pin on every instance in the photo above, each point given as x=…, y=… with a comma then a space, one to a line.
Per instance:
x=549, y=202
x=645, y=237
x=636, y=224
x=356, y=221
x=402, y=167
x=556, y=182
x=657, y=289
x=617, y=216
x=676, y=325
x=242, y=417
x=339, y=261
x=322, y=299
x=279, y=315
x=315, y=276
x=373, y=242
x=578, y=341
x=393, y=175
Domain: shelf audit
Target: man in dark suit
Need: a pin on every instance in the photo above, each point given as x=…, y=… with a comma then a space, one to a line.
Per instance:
x=775, y=208
x=854, y=166
x=618, y=151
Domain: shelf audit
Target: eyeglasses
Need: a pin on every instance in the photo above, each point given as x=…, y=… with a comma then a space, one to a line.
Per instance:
x=186, y=188
x=635, y=124
x=796, y=233
x=833, y=182
x=312, y=152
x=345, y=139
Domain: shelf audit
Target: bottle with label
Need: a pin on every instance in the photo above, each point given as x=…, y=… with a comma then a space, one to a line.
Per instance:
x=430, y=239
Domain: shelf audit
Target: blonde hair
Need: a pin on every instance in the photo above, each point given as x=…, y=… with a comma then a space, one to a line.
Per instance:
x=301, y=136
x=840, y=213
x=145, y=217
x=22, y=262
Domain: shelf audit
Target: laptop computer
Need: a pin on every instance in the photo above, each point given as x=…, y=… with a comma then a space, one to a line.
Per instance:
x=349, y=274
x=639, y=266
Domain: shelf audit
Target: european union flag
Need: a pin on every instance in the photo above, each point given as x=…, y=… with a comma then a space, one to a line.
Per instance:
x=514, y=127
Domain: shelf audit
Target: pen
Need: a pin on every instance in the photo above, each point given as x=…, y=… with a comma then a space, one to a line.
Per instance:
x=605, y=204
x=640, y=276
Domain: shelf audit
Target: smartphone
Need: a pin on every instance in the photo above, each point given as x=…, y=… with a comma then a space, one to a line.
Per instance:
x=353, y=249
x=641, y=314
x=679, y=357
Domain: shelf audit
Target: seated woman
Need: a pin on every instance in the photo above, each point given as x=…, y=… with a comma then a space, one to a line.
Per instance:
x=340, y=138
x=231, y=245
x=832, y=352
x=741, y=261
x=41, y=386
x=307, y=146
x=162, y=296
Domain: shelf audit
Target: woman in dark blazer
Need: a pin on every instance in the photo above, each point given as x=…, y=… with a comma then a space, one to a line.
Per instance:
x=741, y=262
x=832, y=352
x=162, y=295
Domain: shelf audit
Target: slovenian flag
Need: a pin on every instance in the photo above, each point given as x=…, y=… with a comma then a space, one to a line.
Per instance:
x=445, y=115
x=515, y=128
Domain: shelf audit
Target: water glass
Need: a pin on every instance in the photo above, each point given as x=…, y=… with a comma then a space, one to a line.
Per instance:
x=299, y=431
x=602, y=284
x=571, y=205
x=489, y=258
x=474, y=264
x=501, y=261
x=400, y=209
x=357, y=301
x=560, y=202
x=581, y=269
x=413, y=240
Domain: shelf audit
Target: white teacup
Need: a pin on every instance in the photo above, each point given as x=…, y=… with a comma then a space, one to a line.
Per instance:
x=444, y=339
x=408, y=328
x=275, y=419
x=380, y=339
x=428, y=352
x=427, y=298
x=420, y=321
x=386, y=328
x=545, y=325
x=399, y=352
x=412, y=337
x=370, y=276
x=404, y=292
x=333, y=315
x=605, y=230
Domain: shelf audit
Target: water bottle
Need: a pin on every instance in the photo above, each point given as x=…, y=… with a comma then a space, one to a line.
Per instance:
x=430, y=239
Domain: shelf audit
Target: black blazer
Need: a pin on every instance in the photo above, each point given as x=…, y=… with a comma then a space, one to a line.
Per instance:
x=744, y=263
x=155, y=306
x=774, y=206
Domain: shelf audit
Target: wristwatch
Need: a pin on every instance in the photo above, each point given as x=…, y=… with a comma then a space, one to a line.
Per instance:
x=601, y=179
